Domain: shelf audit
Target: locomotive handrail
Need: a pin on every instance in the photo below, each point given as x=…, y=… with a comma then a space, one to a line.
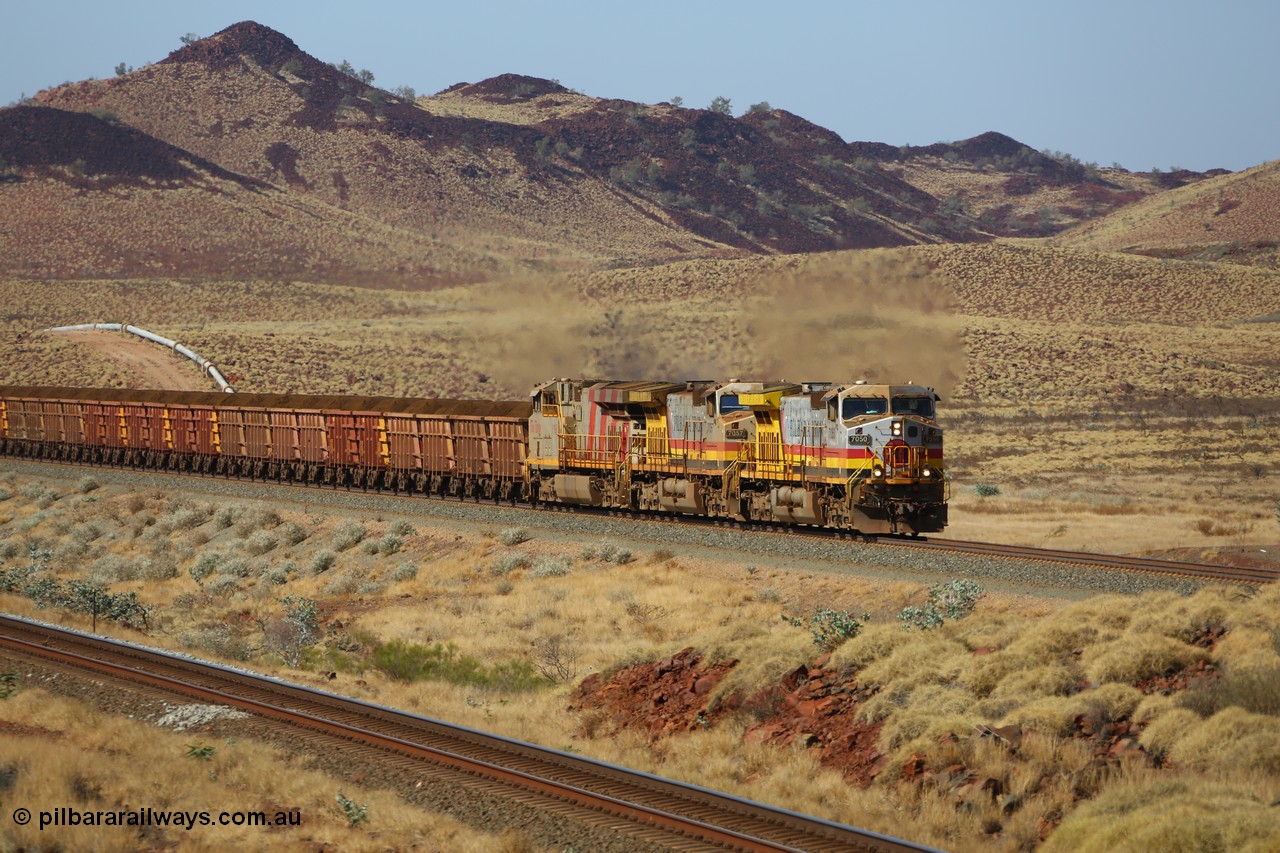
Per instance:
x=903, y=460
x=611, y=454
x=732, y=476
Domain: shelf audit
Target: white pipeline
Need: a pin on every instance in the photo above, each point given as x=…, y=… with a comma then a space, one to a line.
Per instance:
x=205, y=365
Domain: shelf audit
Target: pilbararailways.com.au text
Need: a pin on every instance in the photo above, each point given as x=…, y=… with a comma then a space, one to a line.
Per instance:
x=177, y=818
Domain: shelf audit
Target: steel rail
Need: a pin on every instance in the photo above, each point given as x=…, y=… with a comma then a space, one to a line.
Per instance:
x=1207, y=571
x=635, y=801
x=1199, y=571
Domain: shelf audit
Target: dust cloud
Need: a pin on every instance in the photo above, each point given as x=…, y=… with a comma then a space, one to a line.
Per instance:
x=878, y=315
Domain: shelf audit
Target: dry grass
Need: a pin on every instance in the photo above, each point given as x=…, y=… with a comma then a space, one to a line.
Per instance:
x=1030, y=280
x=1013, y=661
x=221, y=230
x=1094, y=389
x=988, y=199
x=74, y=755
x=1234, y=208
x=1153, y=812
x=524, y=111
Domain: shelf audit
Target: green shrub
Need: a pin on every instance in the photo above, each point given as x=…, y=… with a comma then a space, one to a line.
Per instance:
x=956, y=599
x=551, y=566
x=205, y=565
x=260, y=542
x=386, y=545
x=343, y=584
x=160, y=567
x=402, y=527
x=953, y=600
x=226, y=516
x=293, y=533
x=919, y=617
x=236, y=567
x=110, y=568
x=830, y=628
x=185, y=518
x=94, y=599
x=404, y=572
x=507, y=563
x=606, y=552
x=513, y=536
x=438, y=662
x=276, y=575
x=298, y=629
x=223, y=585
x=86, y=532
x=986, y=490
x=322, y=562
x=217, y=639
x=356, y=814
x=348, y=535
x=257, y=518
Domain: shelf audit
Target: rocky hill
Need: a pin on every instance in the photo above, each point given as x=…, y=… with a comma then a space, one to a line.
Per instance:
x=511, y=173
x=85, y=196
x=1232, y=217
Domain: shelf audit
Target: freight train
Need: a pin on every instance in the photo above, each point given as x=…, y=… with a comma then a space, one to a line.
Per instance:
x=856, y=457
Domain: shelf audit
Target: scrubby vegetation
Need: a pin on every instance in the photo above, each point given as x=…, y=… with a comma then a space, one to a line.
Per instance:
x=1069, y=711
x=67, y=751
x=411, y=662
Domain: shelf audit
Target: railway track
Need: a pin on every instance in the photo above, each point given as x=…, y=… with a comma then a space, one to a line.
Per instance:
x=1200, y=571
x=1146, y=565
x=645, y=808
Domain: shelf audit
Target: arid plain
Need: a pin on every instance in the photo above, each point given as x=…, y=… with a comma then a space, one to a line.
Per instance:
x=1106, y=344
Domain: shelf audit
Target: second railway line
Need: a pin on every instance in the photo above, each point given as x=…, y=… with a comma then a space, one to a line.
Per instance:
x=1054, y=573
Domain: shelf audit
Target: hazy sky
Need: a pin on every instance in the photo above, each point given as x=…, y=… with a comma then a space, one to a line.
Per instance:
x=1143, y=84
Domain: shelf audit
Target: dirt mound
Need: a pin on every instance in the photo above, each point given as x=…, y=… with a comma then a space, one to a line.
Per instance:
x=985, y=147
x=989, y=144
x=142, y=363
x=812, y=705
x=819, y=708
x=662, y=698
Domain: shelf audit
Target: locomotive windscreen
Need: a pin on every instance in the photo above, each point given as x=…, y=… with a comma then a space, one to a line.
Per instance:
x=920, y=406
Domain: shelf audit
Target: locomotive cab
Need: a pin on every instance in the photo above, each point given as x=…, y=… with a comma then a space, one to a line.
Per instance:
x=893, y=446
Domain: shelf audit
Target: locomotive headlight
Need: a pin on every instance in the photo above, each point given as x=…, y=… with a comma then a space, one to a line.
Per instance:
x=897, y=428
x=926, y=473
x=877, y=472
